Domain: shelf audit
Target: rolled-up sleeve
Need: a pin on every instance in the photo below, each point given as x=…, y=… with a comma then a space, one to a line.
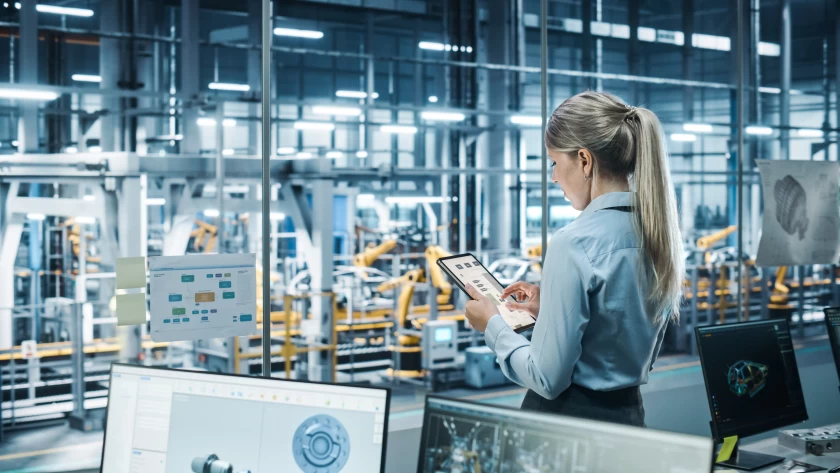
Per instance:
x=546, y=363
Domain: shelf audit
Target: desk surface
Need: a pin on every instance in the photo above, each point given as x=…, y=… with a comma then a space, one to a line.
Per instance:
x=771, y=446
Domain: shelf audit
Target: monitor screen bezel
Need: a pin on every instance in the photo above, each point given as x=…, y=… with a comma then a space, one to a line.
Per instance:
x=719, y=433
x=430, y=397
x=245, y=376
x=833, y=341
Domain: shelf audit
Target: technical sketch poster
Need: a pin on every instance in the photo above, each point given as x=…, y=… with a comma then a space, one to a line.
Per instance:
x=202, y=296
x=801, y=213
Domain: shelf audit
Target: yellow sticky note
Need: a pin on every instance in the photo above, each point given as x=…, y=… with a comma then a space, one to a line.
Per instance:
x=131, y=273
x=727, y=448
x=131, y=309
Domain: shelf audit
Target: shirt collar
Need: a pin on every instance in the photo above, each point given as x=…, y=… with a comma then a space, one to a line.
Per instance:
x=609, y=201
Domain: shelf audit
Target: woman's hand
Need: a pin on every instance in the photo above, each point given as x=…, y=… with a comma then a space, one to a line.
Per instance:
x=528, y=296
x=479, y=310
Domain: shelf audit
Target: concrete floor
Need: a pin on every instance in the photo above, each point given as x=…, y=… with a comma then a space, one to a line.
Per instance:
x=675, y=400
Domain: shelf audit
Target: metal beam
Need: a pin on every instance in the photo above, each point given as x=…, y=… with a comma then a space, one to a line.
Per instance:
x=785, y=73
x=544, y=114
x=190, y=62
x=28, y=115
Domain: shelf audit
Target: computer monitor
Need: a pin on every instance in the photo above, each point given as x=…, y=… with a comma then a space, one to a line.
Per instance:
x=174, y=421
x=467, y=437
x=752, y=382
x=832, y=325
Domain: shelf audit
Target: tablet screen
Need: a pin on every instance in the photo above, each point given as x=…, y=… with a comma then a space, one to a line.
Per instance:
x=469, y=270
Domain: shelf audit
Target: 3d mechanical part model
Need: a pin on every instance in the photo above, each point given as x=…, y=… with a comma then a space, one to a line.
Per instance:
x=321, y=445
x=210, y=463
x=747, y=378
x=790, y=206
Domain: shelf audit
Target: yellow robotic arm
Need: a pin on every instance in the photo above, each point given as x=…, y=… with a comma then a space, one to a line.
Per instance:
x=434, y=253
x=371, y=254
x=706, y=242
x=407, y=281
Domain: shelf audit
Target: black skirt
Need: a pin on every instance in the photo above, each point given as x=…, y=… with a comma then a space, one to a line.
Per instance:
x=622, y=406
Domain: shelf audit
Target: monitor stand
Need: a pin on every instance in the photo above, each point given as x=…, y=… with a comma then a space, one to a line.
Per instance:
x=749, y=461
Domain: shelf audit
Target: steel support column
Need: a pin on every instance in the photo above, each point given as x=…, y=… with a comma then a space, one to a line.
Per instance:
x=28, y=115
x=784, y=95
x=254, y=71
x=688, y=61
x=265, y=178
x=133, y=232
x=633, y=8
x=497, y=189
x=110, y=70
x=190, y=62
x=544, y=109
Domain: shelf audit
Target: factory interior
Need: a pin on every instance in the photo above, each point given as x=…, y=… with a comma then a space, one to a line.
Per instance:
x=347, y=147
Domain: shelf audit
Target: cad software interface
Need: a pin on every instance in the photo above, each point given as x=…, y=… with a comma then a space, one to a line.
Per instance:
x=166, y=421
x=469, y=271
x=832, y=322
x=471, y=438
x=751, y=375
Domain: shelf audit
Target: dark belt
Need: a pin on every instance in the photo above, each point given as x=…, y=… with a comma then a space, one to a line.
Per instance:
x=622, y=406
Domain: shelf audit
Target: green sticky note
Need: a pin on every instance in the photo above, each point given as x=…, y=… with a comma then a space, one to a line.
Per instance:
x=179, y=311
x=131, y=273
x=131, y=309
x=727, y=449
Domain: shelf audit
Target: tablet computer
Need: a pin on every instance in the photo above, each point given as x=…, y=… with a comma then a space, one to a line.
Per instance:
x=466, y=269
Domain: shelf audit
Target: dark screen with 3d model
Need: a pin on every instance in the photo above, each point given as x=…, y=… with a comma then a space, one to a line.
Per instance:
x=751, y=376
x=832, y=324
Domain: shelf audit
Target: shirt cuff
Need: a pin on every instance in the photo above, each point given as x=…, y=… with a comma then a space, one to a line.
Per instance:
x=494, y=328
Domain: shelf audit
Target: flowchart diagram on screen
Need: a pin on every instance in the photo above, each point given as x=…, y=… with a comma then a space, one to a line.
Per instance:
x=202, y=296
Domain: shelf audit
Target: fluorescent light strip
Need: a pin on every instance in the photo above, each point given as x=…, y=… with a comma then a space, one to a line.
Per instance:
x=443, y=116
x=354, y=94
x=285, y=150
x=526, y=120
x=325, y=126
x=228, y=152
x=71, y=150
x=809, y=133
x=86, y=78
x=304, y=155
x=433, y=99
x=36, y=217
x=84, y=12
x=361, y=154
x=407, y=129
x=155, y=201
x=23, y=94
x=295, y=33
x=85, y=220
x=208, y=122
x=334, y=154
x=686, y=137
x=417, y=200
x=94, y=149
x=211, y=213
x=431, y=46
x=337, y=111
x=277, y=216
x=697, y=127
x=229, y=86
x=758, y=130
x=89, y=198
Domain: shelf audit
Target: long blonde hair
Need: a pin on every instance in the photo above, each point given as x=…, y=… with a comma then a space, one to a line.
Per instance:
x=628, y=142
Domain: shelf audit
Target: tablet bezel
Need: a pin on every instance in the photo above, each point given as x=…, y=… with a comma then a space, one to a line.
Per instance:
x=461, y=286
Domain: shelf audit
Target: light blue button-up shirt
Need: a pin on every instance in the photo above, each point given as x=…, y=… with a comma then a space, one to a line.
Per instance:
x=594, y=328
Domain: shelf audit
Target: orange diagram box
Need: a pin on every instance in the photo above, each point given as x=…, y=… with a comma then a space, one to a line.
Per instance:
x=205, y=296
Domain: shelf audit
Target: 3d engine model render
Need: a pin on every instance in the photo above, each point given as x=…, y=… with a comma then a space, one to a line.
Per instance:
x=210, y=463
x=321, y=445
x=790, y=206
x=747, y=378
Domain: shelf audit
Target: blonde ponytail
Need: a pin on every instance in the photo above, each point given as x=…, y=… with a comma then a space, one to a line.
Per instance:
x=656, y=215
x=628, y=142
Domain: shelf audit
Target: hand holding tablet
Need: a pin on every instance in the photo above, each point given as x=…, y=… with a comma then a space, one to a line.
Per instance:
x=465, y=270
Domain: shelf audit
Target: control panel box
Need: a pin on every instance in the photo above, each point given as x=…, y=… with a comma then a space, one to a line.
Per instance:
x=482, y=369
x=439, y=344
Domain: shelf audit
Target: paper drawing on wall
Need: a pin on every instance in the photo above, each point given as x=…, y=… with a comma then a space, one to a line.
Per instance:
x=790, y=206
x=801, y=215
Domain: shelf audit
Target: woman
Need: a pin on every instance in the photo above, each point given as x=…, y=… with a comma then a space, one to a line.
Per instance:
x=612, y=277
